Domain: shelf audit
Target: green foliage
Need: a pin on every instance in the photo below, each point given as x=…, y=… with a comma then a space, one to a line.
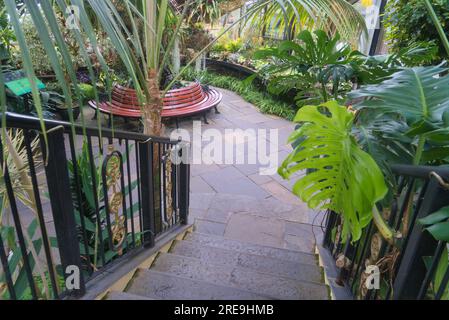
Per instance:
x=375, y=69
x=265, y=102
x=315, y=65
x=16, y=266
x=341, y=176
x=39, y=55
x=291, y=17
x=225, y=48
x=408, y=23
x=416, y=99
x=87, y=91
x=440, y=272
x=87, y=207
x=415, y=93
x=438, y=224
x=204, y=10
x=7, y=35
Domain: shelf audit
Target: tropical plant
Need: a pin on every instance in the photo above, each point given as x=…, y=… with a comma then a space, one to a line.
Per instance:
x=292, y=17
x=315, y=65
x=375, y=69
x=414, y=102
x=6, y=34
x=418, y=97
x=408, y=22
x=15, y=157
x=204, y=11
x=437, y=224
x=88, y=223
x=262, y=100
x=340, y=175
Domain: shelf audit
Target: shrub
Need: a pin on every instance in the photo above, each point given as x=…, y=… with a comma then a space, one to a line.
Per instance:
x=265, y=102
x=409, y=23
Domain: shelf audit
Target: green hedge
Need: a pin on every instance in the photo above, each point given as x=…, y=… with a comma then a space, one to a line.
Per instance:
x=264, y=101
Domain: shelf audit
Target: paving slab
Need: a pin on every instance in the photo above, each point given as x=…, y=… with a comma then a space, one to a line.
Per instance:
x=296, y=271
x=276, y=287
x=254, y=229
x=164, y=286
x=198, y=185
x=250, y=248
x=210, y=227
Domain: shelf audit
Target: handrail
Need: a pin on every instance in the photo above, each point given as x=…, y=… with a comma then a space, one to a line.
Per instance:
x=103, y=207
x=420, y=192
x=420, y=172
x=33, y=123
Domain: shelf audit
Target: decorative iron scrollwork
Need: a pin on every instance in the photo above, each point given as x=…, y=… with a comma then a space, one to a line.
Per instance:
x=113, y=186
x=169, y=187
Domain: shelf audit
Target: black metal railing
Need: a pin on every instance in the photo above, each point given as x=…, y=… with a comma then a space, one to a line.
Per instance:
x=81, y=200
x=408, y=269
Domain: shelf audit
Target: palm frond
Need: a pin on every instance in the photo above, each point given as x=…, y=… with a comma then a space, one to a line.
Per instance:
x=295, y=15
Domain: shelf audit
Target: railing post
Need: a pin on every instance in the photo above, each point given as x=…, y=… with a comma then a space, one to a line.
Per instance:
x=60, y=194
x=184, y=184
x=412, y=270
x=146, y=189
x=330, y=224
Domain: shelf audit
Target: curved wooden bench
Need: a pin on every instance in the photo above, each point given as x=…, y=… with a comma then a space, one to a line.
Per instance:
x=178, y=103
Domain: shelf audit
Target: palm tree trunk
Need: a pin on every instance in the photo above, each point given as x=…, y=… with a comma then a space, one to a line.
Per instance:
x=153, y=109
x=153, y=126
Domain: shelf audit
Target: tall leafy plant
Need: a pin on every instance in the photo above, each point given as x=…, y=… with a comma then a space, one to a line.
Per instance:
x=315, y=65
x=414, y=100
x=341, y=176
x=409, y=22
x=292, y=17
x=417, y=96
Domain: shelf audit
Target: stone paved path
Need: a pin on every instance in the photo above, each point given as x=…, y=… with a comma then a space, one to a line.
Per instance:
x=252, y=239
x=235, y=201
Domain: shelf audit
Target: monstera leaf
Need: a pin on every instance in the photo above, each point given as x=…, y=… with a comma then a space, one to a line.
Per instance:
x=418, y=94
x=340, y=176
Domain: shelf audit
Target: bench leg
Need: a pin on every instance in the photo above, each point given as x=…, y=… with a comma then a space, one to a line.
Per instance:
x=205, y=118
x=216, y=110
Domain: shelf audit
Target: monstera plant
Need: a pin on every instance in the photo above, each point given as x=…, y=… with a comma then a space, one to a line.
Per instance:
x=314, y=64
x=417, y=98
x=341, y=176
x=405, y=120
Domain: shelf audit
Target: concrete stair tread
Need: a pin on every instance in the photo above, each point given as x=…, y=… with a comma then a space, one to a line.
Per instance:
x=255, y=249
x=165, y=286
x=124, y=296
x=264, y=264
x=269, y=285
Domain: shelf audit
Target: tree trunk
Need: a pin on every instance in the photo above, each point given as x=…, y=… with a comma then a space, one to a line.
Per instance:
x=153, y=126
x=153, y=108
x=176, y=57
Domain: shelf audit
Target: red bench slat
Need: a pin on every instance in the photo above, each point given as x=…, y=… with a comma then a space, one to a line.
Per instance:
x=177, y=102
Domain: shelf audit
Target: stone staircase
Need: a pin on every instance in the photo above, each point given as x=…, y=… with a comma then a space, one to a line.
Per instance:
x=210, y=267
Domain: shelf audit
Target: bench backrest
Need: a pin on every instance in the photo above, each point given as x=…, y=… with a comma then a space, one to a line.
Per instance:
x=126, y=98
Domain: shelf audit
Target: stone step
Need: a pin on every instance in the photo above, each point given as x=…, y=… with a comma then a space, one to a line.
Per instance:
x=123, y=296
x=275, y=287
x=275, y=253
x=284, y=268
x=164, y=286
